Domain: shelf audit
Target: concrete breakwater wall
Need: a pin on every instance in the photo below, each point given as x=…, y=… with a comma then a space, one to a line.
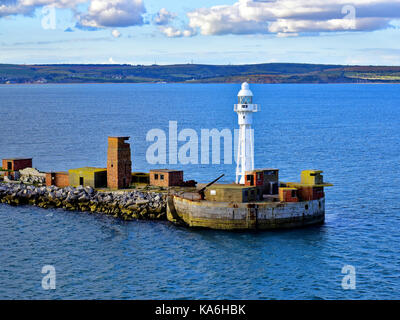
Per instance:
x=127, y=205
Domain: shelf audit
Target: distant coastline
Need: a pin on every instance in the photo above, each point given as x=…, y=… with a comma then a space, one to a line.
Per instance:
x=196, y=73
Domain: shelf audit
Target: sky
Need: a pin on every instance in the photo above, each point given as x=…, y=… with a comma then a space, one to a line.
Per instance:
x=349, y=32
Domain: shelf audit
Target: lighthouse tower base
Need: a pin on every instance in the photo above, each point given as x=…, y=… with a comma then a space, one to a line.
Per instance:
x=242, y=216
x=245, y=109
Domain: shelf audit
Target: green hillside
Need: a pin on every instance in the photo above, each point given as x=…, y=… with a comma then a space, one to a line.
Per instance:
x=194, y=73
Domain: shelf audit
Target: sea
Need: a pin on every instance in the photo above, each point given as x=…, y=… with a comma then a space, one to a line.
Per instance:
x=350, y=131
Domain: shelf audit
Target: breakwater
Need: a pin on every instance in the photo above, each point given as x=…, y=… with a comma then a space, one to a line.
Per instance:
x=127, y=205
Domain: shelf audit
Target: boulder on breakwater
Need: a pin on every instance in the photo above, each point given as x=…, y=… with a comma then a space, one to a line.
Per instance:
x=32, y=176
x=127, y=205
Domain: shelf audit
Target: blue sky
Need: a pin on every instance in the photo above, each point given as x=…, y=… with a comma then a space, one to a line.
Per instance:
x=365, y=32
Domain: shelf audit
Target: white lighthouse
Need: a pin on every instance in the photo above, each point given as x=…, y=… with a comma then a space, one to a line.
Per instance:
x=245, y=109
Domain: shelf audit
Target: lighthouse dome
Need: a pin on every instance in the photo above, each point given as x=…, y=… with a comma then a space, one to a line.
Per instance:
x=245, y=92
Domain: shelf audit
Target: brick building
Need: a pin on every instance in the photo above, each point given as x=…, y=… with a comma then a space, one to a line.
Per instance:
x=119, y=164
x=288, y=195
x=16, y=164
x=166, y=178
x=254, y=178
x=266, y=180
x=58, y=179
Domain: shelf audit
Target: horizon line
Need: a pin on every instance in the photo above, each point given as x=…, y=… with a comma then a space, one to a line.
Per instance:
x=196, y=64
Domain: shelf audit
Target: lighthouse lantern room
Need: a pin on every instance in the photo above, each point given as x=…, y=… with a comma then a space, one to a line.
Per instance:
x=245, y=109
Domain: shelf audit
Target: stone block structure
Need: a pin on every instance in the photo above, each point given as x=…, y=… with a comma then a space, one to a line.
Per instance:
x=119, y=164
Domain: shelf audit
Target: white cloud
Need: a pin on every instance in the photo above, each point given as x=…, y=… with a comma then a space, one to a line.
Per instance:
x=189, y=33
x=283, y=26
x=172, y=32
x=113, y=13
x=27, y=7
x=294, y=16
x=286, y=34
x=164, y=17
x=280, y=17
x=100, y=14
x=165, y=20
x=115, y=33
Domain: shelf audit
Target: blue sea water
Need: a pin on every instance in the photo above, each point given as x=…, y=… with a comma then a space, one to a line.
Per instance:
x=349, y=131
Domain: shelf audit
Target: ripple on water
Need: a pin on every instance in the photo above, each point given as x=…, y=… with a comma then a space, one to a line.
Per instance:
x=349, y=131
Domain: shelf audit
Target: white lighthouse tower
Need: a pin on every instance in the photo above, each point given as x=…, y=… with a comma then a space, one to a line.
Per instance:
x=245, y=109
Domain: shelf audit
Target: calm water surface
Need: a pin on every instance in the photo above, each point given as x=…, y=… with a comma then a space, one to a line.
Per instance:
x=349, y=131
